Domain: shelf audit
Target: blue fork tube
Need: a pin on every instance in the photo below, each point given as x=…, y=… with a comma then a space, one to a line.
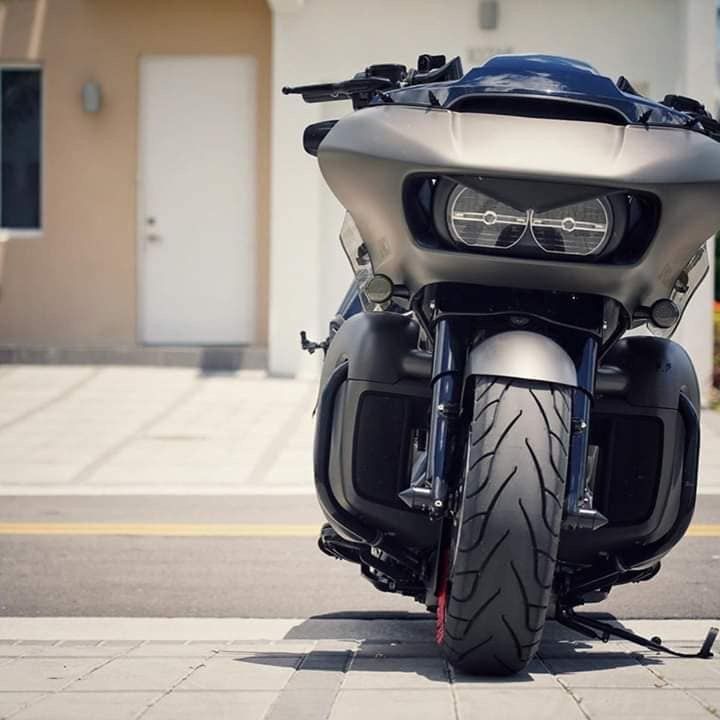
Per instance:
x=447, y=377
x=579, y=513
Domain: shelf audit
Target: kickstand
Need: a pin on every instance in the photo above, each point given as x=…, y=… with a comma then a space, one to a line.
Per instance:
x=598, y=630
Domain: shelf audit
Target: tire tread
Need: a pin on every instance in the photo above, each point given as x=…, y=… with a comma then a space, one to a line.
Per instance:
x=509, y=526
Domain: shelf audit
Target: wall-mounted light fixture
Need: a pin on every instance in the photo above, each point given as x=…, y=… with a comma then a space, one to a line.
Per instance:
x=489, y=11
x=91, y=97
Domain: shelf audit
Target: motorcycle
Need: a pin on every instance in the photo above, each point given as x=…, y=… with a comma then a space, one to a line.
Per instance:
x=488, y=439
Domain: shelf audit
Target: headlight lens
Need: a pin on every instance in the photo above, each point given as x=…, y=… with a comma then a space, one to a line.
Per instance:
x=477, y=220
x=579, y=229
x=481, y=221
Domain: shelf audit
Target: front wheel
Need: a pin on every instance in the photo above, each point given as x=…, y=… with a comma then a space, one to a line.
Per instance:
x=502, y=558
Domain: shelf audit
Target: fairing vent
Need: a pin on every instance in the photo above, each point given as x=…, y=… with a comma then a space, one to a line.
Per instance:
x=532, y=107
x=629, y=466
x=383, y=435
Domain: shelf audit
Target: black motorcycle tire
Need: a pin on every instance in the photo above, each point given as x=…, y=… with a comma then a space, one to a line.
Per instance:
x=506, y=530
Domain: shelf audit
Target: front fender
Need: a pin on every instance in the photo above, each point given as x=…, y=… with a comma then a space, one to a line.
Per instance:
x=522, y=355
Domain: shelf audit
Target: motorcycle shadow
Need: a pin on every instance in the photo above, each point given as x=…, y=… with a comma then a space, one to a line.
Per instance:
x=403, y=643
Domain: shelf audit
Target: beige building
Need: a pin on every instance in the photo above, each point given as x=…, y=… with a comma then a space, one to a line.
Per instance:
x=153, y=186
x=153, y=150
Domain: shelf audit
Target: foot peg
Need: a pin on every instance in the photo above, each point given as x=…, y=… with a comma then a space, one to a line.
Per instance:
x=416, y=497
x=598, y=630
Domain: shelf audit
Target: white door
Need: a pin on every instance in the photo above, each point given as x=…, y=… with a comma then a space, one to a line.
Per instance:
x=196, y=204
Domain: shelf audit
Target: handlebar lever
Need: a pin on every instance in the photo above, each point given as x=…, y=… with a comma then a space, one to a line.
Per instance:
x=360, y=90
x=314, y=93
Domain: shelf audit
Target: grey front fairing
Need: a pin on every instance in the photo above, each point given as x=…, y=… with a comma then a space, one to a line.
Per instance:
x=369, y=154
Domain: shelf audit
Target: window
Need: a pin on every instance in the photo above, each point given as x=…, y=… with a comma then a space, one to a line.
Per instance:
x=20, y=131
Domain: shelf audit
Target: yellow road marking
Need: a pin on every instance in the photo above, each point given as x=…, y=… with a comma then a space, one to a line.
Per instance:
x=260, y=530
x=704, y=531
x=162, y=529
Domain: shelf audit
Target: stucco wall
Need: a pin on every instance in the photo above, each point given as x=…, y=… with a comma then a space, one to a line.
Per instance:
x=76, y=283
x=659, y=45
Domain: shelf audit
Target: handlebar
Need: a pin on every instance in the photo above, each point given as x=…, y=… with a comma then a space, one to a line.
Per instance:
x=346, y=90
x=377, y=79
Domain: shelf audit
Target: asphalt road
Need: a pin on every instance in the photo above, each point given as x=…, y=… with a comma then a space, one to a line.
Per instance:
x=83, y=572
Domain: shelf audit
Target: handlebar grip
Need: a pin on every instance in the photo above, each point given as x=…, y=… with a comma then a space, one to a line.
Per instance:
x=324, y=92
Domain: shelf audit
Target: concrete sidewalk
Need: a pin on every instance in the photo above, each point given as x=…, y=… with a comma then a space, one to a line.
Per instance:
x=125, y=430
x=117, y=668
x=135, y=430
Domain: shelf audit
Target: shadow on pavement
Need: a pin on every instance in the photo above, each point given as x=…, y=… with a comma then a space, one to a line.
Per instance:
x=387, y=626
x=404, y=642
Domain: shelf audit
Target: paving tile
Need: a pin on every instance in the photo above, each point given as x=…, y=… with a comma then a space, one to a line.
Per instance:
x=585, y=648
x=320, y=670
x=675, y=633
x=79, y=643
x=37, y=643
x=418, y=628
x=14, y=649
x=176, y=649
x=387, y=673
x=295, y=647
x=536, y=676
x=399, y=650
x=269, y=671
x=77, y=706
x=513, y=704
x=634, y=703
x=709, y=698
x=298, y=646
x=212, y=705
x=687, y=672
x=123, y=674
x=27, y=389
x=436, y=704
x=126, y=644
x=44, y=673
x=76, y=649
x=11, y=702
x=603, y=672
x=335, y=645
x=303, y=704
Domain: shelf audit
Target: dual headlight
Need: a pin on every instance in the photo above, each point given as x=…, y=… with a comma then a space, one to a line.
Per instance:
x=480, y=221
